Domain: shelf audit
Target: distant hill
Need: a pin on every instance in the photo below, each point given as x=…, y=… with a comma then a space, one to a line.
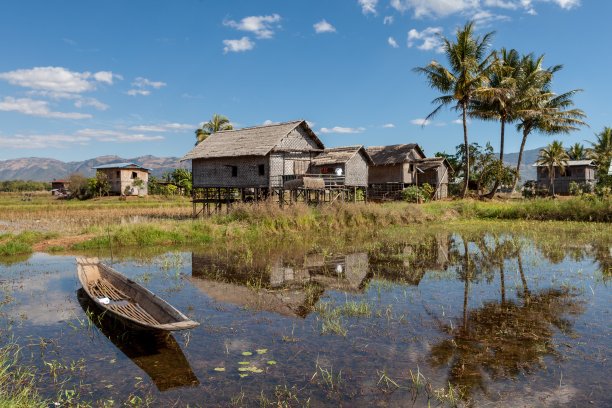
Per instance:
x=43, y=169
x=528, y=172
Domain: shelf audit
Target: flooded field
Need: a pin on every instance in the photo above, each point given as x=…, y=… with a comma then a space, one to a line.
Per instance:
x=447, y=319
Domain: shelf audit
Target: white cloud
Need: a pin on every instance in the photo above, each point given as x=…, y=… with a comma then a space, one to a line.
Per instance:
x=429, y=39
x=388, y=20
x=434, y=8
x=443, y=8
x=57, y=79
x=34, y=107
x=268, y=122
x=420, y=122
x=261, y=26
x=310, y=124
x=141, y=82
x=93, y=102
x=341, y=129
x=164, y=127
x=241, y=45
x=459, y=121
x=485, y=18
x=391, y=41
x=141, y=86
x=324, y=27
x=79, y=138
x=368, y=6
x=388, y=125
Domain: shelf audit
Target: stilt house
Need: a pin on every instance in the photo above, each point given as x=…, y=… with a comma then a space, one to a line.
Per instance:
x=577, y=171
x=255, y=157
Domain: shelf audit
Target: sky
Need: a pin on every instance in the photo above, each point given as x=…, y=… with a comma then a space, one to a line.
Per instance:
x=80, y=79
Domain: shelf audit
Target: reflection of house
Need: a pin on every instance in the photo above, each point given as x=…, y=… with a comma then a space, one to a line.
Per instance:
x=284, y=287
x=125, y=178
x=577, y=171
x=399, y=166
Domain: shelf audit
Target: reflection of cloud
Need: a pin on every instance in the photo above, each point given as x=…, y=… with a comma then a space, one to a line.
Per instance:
x=47, y=296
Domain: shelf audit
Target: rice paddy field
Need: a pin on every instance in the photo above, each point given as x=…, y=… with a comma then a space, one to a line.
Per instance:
x=390, y=306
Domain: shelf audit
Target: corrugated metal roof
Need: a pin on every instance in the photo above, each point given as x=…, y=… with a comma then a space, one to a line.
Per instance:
x=393, y=154
x=252, y=141
x=118, y=166
x=571, y=163
x=337, y=155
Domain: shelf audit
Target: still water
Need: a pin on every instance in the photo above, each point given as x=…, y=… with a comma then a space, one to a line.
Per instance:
x=446, y=319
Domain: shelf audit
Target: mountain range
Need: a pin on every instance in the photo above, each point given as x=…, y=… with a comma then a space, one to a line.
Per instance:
x=43, y=169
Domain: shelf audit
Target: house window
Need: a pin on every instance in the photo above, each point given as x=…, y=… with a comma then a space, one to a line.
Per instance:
x=234, y=171
x=134, y=175
x=568, y=173
x=262, y=169
x=118, y=174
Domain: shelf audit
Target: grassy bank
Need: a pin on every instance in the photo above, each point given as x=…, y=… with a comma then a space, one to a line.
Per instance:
x=145, y=223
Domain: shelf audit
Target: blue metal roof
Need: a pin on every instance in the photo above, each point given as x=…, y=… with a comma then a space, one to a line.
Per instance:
x=119, y=166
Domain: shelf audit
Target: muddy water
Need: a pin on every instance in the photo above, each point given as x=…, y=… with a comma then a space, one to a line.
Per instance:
x=482, y=320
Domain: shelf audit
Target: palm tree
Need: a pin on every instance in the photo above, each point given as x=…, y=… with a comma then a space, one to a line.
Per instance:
x=601, y=150
x=216, y=124
x=548, y=113
x=576, y=152
x=552, y=157
x=468, y=63
x=501, y=99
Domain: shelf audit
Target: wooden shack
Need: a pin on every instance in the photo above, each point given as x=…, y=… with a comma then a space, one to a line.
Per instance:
x=399, y=166
x=349, y=162
x=581, y=172
x=435, y=171
x=59, y=187
x=125, y=178
x=260, y=157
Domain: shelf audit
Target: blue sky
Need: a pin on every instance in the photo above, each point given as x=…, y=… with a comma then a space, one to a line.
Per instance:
x=79, y=79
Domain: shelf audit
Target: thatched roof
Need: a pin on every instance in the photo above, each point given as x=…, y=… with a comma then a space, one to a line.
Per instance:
x=432, y=163
x=252, y=141
x=393, y=154
x=339, y=155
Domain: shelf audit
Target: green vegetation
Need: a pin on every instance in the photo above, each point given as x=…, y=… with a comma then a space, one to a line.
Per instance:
x=21, y=243
x=215, y=124
x=18, y=388
x=16, y=186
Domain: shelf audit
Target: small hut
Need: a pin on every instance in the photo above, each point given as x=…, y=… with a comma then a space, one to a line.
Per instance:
x=435, y=171
x=125, y=178
x=348, y=163
x=581, y=172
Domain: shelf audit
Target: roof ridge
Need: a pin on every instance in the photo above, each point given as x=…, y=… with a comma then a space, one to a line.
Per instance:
x=262, y=126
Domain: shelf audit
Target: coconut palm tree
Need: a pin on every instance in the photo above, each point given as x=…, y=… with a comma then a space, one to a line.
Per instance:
x=601, y=150
x=468, y=61
x=552, y=157
x=216, y=124
x=501, y=99
x=576, y=152
x=548, y=113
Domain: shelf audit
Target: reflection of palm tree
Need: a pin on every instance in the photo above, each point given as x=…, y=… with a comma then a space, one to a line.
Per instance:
x=502, y=339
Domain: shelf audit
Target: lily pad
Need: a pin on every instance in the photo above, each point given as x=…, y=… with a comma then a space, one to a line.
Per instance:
x=261, y=351
x=243, y=375
x=247, y=353
x=219, y=368
x=243, y=369
x=271, y=362
x=244, y=362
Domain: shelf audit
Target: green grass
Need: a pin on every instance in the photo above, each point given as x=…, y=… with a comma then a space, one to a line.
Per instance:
x=17, y=382
x=14, y=244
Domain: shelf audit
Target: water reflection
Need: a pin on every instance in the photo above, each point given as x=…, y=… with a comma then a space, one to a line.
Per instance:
x=158, y=355
x=505, y=338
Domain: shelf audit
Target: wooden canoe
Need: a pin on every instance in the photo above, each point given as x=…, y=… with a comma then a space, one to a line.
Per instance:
x=156, y=353
x=126, y=300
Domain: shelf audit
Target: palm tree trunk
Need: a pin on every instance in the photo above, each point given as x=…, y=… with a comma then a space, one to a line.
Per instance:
x=501, y=157
x=520, y=159
x=466, y=148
